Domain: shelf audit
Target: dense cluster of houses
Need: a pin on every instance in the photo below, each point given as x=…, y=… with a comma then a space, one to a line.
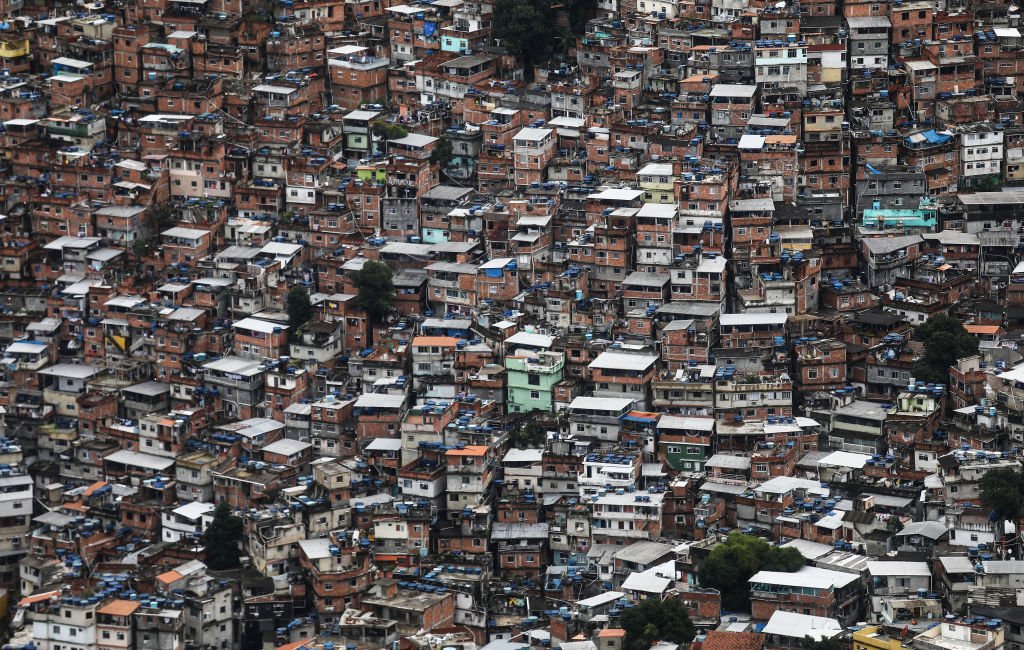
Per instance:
x=655, y=291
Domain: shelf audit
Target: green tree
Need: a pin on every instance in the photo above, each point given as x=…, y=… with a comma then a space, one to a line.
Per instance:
x=809, y=643
x=1002, y=492
x=531, y=29
x=299, y=309
x=945, y=340
x=580, y=11
x=731, y=564
x=529, y=435
x=655, y=620
x=525, y=28
x=220, y=541
x=443, y=152
x=376, y=292
x=389, y=131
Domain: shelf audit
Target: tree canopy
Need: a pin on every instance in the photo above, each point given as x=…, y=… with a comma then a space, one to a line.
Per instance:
x=731, y=564
x=299, y=309
x=442, y=153
x=524, y=28
x=655, y=620
x=945, y=340
x=530, y=28
x=220, y=541
x=809, y=643
x=376, y=290
x=389, y=131
x=1002, y=492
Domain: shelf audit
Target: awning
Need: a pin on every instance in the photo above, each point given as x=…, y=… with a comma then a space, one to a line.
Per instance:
x=642, y=417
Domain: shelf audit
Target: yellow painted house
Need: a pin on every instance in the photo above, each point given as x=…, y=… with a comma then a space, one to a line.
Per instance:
x=12, y=47
x=875, y=638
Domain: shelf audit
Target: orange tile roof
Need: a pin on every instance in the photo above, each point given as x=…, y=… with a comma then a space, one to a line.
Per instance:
x=169, y=577
x=294, y=645
x=119, y=607
x=92, y=488
x=982, y=329
x=37, y=598
x=610, y=633
x=73, y=505
x=468, y=450
x=440, y=341
x=700, y=77
x=718, y=640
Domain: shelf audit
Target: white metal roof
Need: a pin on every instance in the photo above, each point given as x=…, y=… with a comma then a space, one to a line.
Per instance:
x=957, y=564
x=124, y=301
x=185, y=233
x=414, y=140
x=72, y=63
x=234, y=365
x=733, y=90
x=150, y=388
x=281, y=248
x=784, y=484
x=166, y=117
x=530, y=339
x=316, y=549
x=600, y=404
x=380, y=400
x=748, y=141
x=728, y=461
x=139, y=459
x=361, y=115
x=523, y=456
x=384, y=444
x=798, y=626
x=26, y=347
x=72, y=370
x=930, y=529
x=286, y=447
x=623, y=361
x=1014, y=374
x=845, y=459
x=806, y=577
x=194, y=510
x=657, y=210
x=894, y=568
x=276, y=90
x=687, y=423
x=600, y=599
x=532, y=135
x=257, y=325
x=497, y=263
x=810, y=550
x=617, y=194
x=753, y=319
x=646, y=583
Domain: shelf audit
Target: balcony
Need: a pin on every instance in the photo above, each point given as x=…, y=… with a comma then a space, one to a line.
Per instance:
x=605, y=481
